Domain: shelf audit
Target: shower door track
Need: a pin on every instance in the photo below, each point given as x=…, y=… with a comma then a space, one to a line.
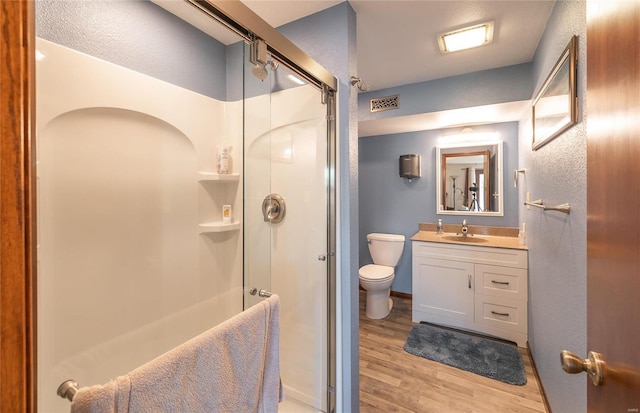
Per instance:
x=248, y=25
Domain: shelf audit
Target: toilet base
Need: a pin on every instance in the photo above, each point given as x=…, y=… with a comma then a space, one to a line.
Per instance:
x=378, y=304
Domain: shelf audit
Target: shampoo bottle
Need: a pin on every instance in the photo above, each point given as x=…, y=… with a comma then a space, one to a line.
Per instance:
x=223, y=161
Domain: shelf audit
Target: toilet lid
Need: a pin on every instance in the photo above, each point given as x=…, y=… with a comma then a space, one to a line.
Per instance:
x=376, y=272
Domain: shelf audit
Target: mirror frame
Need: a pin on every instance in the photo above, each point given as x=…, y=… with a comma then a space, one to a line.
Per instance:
x=545, y=115
x=466, y=149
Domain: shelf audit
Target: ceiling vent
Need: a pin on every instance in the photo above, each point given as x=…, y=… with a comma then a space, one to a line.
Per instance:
x=385, y=103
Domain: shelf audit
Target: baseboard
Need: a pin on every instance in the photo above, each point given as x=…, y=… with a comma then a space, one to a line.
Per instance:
x=545, y=401
x=395, y=294
x=401, y=295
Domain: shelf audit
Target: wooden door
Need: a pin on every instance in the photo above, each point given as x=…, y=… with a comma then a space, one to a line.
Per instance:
x=17, y=359
x=613, y=207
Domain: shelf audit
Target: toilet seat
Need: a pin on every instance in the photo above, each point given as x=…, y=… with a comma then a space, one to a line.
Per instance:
x=376, y=273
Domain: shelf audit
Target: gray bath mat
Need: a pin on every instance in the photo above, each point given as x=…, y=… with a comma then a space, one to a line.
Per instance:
x=486, y=357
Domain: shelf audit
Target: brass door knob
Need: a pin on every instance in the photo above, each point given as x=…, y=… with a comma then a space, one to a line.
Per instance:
x=593, y=365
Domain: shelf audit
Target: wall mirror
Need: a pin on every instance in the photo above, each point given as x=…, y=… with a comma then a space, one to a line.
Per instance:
x=470, y=180
x=555, y=106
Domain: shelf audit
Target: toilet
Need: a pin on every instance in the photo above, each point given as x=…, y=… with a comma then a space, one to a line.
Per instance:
x=376, y=278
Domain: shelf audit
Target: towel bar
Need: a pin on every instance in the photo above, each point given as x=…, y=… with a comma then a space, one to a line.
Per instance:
x=68, y=389
x=566, y=208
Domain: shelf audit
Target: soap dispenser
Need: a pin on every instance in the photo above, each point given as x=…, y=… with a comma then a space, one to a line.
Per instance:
x=522, y=235
x=440, y=232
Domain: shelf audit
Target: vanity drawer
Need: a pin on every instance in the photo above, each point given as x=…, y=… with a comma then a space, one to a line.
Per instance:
x=505, y=282
x=501, y=313
x=468, y=253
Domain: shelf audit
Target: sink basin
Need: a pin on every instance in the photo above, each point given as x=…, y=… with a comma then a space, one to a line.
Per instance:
x=460, y=238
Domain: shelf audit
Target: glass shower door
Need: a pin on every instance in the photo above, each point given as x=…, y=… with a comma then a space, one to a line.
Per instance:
x=286, y=217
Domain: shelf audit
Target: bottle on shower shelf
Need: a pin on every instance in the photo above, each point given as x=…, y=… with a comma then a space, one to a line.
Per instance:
x=224, y=161
x=226, y=214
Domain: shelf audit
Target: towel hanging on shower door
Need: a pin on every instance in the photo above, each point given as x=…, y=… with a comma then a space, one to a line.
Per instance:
x=234, y=367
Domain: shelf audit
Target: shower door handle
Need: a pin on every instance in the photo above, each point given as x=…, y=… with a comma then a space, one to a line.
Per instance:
x=261, y=292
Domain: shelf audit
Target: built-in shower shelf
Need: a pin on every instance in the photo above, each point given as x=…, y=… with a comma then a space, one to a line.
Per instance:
x=215, y=177
x=218, y=227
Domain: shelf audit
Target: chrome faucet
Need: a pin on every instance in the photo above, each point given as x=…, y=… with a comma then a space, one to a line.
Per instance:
x=465, y=228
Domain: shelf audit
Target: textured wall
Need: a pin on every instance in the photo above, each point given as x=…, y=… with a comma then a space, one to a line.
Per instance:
x=505, y=84
x=329, y=37
x=140, y=36
x=557, y=242
x=391, y=204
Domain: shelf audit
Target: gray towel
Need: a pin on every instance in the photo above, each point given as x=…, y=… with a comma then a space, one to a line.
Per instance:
x=234, y=367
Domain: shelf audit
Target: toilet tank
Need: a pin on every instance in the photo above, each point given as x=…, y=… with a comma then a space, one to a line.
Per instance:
x=385, y=249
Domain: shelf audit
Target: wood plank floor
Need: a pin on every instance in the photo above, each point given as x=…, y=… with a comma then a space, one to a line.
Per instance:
x=392, y=380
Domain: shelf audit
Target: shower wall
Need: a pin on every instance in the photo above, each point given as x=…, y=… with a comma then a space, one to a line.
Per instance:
x=132, y=257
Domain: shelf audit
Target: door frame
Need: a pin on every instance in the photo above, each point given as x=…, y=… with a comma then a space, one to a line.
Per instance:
x=17, y=208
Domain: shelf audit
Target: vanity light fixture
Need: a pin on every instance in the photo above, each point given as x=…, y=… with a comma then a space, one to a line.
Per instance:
x=466, y=38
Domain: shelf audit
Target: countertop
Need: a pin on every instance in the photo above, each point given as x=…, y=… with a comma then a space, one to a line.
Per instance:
x=495, y=237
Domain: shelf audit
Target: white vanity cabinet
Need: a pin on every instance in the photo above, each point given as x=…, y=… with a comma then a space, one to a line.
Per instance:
x=443, y=289
x=482, y=289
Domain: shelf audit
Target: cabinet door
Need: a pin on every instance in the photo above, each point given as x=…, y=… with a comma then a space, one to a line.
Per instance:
x=443, y=289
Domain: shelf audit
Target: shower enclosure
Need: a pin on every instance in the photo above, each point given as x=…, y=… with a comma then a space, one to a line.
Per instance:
x=134, y=255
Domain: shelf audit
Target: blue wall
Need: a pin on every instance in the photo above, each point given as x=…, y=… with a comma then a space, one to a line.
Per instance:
x=505, y=84
x=141, y=36
x=391, y=204
x=557, y=173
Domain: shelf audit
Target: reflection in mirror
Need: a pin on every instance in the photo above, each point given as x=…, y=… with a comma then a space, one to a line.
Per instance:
x=470, y=179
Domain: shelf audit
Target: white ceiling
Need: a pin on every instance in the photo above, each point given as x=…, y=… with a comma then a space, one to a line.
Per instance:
x=397, y=40
x=397, y=45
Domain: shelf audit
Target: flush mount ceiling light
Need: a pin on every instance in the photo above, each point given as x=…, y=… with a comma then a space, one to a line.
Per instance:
x=466, y=38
